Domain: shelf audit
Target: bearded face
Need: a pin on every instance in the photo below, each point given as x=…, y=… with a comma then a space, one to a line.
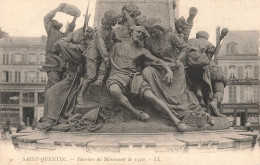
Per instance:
x=138, y=34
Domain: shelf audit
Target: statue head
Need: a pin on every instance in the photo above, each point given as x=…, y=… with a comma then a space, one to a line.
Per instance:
x=56, y=24
x=202, y=34
x=110, y=18
x=180, y=25
x=89, y=33
x=138, y=35
x=133, y=12
x=157, y=31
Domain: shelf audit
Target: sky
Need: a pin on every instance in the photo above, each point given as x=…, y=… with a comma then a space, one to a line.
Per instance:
x=25, y=17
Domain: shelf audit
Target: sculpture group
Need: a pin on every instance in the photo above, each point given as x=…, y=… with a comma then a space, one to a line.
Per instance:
x=131, y=55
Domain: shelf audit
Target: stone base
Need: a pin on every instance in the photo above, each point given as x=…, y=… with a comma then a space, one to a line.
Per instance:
x=116, y=142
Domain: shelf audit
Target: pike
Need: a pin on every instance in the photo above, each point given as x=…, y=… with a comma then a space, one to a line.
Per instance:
x=87, y=16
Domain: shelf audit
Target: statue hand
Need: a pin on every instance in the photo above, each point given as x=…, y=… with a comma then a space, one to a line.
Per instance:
x=98, y=82
x=168, y=78
x=178, y=63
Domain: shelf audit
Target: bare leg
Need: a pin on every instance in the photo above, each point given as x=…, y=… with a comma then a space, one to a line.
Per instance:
x=160, y=105
x=116, y=92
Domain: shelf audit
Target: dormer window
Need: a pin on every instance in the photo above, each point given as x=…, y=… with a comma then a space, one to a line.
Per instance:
x=232, y=48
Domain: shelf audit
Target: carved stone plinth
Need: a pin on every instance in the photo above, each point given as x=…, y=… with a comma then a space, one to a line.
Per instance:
x=120, y=142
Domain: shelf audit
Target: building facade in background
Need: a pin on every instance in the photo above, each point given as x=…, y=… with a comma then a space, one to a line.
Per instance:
x=239, y=59
x=21, y=83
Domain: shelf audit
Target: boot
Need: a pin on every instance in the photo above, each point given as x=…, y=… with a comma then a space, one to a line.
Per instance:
x=215, y=103
x=46, y=125
x=142, y=116
x=181, y=127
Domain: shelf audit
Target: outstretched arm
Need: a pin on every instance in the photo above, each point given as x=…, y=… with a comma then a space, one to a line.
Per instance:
x=49, y=16
x=169, y=76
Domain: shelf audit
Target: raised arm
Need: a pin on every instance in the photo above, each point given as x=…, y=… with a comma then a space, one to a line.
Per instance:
x=49, y=16
x=71, y=26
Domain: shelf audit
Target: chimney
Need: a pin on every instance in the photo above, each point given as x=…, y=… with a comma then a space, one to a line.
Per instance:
x=217, y=34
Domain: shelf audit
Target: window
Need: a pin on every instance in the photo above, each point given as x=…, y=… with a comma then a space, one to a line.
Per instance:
x=232, y=48
x=43, y=77
x=242, y=94
x=41, y=97
x=256, y=94
x=232, y=94
x=240, y=72
x=17, y=59
x=10, y=76
x=6, y=76
x=248, y=71
x=5, y=59
x=12, y=59
x=9, y=114
x=9, y=97
x=28, y=97
x=232, y=72
x=24, y=59
x=249, y=94
x=32, y=58
x=225, y=70
x=42, y=59
x=37, y=76
x=31, y=77
x=256, y=72
x=17, y=76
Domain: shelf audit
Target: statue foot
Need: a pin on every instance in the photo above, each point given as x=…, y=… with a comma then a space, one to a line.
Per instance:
x=214, y=109
x=181, y=127
x=46, y=125
x=142, y=116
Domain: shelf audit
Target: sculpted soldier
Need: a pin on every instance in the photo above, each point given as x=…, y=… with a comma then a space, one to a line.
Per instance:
x=125, y=76
x=208, y=82
x=184, y=27
x=98, y=51
x=71, y=49
x=198, y=71
x=218, y=82
x=53, y=63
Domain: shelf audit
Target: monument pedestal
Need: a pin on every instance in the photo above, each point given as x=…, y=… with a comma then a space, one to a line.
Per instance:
x=117, y=142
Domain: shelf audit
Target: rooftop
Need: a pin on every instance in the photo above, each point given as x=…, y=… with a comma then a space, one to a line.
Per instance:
x=23, y=40
x=246, y=41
